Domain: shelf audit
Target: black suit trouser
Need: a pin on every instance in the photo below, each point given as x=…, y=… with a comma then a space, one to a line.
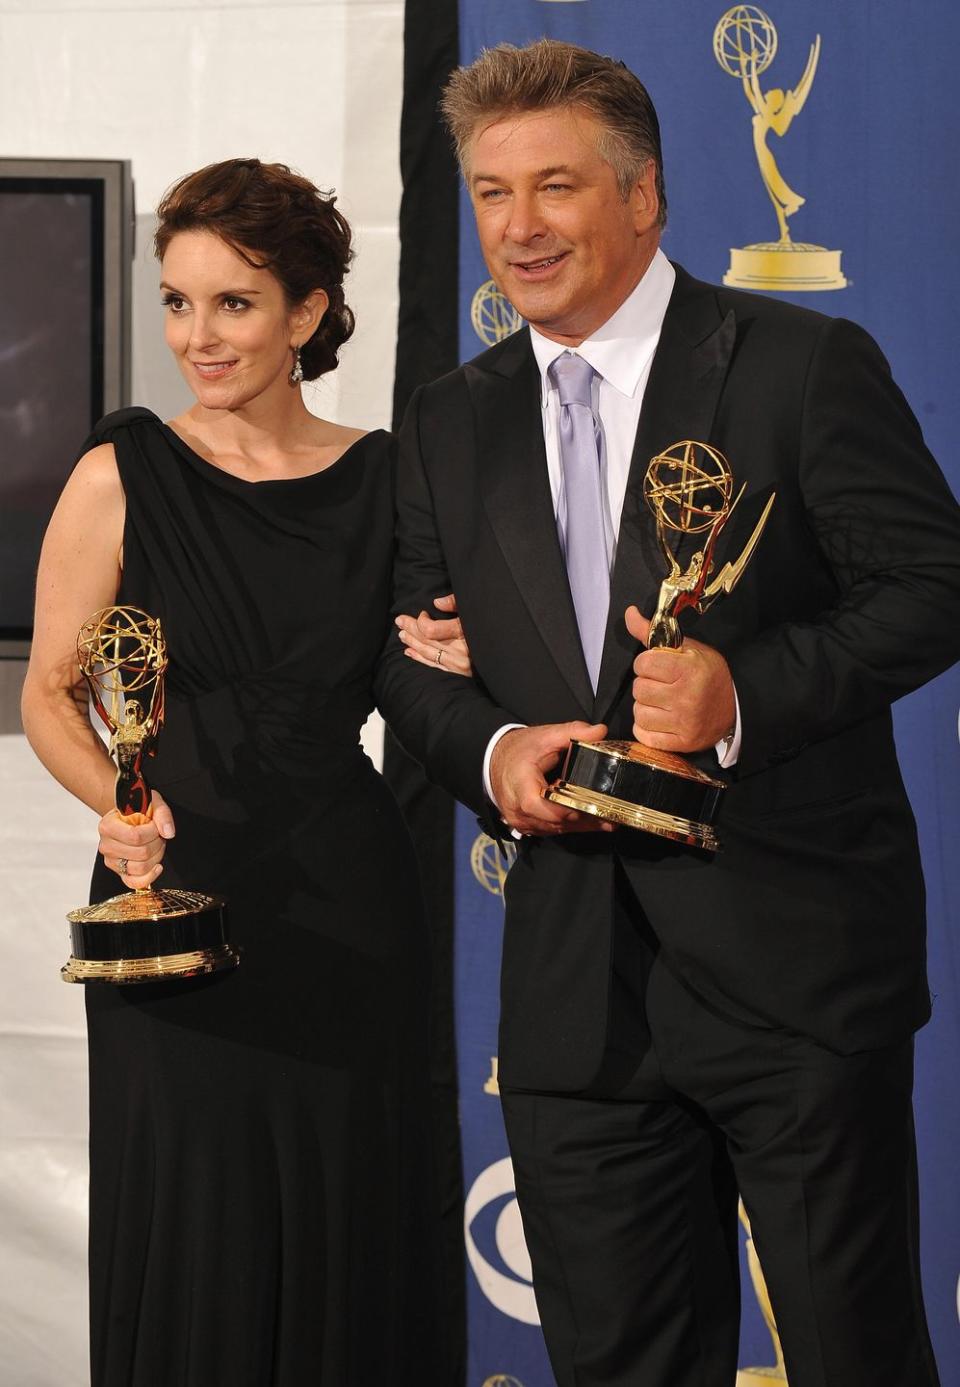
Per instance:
x=629, y=1196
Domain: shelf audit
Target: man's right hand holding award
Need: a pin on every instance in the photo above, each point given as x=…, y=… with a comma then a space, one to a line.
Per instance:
x=681, y=704
x=683, y=692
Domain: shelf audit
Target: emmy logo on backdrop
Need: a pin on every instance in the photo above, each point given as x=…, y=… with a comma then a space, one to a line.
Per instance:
x=689, y=489
x=143, y=935
x=744, y=43
x=493, y=316
x=761, y=1377
x=490, y=862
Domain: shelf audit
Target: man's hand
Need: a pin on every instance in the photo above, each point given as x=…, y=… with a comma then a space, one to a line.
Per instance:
x=683, y=700
x=141, y=846
x=440, y=644
x=520, y=763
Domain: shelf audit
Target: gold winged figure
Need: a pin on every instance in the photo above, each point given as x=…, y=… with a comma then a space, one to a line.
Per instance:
x=688, y=488
x=775, y=110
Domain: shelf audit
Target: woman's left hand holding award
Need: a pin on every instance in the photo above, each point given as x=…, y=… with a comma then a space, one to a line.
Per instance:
x=145, y=935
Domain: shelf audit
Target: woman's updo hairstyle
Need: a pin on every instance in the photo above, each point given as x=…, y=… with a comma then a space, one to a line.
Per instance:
x=276, y=220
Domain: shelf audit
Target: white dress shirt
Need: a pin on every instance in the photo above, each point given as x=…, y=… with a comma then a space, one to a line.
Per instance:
x=621, y=352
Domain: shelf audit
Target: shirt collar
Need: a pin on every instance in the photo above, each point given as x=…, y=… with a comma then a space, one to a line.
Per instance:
x=621, y=348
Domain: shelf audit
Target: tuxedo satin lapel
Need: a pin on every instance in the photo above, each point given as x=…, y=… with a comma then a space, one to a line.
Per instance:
x=680, y=401
x=516, y=494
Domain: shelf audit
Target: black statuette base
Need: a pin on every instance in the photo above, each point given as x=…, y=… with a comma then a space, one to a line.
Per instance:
x=636, y=787
x=147, y=936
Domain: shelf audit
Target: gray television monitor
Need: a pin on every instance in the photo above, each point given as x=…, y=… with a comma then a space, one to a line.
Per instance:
x=66, y=247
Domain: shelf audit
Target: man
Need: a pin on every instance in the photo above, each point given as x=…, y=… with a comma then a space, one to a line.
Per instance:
x=678, y=1025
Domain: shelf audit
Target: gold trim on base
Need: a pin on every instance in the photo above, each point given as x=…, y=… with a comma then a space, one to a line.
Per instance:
x=160, y=966
x=759, y=1377
x=166, y=903
x=785, y=266
x=628, y=815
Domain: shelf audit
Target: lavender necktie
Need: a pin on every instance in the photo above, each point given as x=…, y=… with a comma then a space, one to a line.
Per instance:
x=585, y=536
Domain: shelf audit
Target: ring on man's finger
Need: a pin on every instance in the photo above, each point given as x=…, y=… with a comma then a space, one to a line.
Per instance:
x=439, y=656
x=122, y=866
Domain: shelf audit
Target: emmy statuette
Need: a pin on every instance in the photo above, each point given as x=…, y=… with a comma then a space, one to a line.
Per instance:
x=689, y=489
x=143, y=935
x=744, y=44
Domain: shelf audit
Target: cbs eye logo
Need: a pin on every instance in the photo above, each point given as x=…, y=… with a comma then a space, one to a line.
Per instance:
x=496, y=1249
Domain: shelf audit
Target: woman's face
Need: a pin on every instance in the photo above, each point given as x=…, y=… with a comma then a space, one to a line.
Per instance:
x=228, y=324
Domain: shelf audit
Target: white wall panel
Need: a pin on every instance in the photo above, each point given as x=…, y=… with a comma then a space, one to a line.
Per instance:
x=318, y=86
x=46, y=838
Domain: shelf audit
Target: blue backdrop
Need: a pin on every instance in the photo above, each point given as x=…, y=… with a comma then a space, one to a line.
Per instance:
x=871, y=152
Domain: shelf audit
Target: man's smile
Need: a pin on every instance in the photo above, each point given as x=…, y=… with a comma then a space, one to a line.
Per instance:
x=538, y=269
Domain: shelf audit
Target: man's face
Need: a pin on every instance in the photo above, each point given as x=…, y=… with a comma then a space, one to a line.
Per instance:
x=559, y=241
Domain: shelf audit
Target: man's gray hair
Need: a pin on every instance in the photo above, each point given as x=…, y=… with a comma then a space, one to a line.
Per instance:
x=549, y=74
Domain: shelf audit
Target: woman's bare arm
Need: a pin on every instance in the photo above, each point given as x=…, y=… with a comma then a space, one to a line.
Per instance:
x=79, y=574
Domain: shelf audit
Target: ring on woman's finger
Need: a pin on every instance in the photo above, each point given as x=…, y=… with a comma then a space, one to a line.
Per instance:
x=122, y=866
x=439, y=656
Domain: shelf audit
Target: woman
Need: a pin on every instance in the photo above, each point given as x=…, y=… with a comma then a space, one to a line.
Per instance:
x=261, y=1185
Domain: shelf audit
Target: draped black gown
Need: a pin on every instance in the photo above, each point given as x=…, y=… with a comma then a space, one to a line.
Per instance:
x=262, y=1207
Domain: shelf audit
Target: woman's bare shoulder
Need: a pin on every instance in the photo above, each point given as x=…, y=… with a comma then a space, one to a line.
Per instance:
x=98, y=468
x=93, y=492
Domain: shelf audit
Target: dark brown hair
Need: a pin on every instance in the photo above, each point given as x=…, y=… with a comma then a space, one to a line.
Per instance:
x=549, y=74
x=276, y=220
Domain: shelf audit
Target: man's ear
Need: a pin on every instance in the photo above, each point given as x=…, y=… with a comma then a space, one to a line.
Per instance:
x=307, y=316
x=644, y=199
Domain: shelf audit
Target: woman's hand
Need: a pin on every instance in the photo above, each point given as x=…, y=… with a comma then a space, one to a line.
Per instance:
x=135, y=851
x=441, y=644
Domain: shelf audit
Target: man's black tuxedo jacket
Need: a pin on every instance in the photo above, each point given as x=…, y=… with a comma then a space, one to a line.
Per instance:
x=811, y=917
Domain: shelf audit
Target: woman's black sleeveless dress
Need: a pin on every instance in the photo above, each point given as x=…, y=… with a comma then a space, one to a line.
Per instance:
x=262, y=1206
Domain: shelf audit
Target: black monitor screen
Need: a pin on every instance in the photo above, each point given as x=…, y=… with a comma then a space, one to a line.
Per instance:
x=51, y=350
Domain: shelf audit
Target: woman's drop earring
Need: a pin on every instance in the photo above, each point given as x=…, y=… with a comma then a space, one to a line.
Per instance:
x=296, y=370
